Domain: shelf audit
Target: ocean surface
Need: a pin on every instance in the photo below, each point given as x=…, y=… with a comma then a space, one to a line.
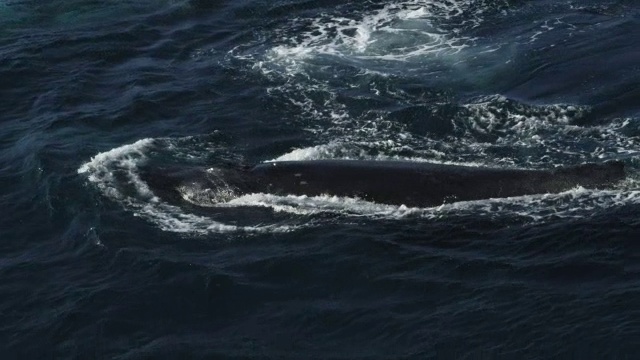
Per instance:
x=94, y=265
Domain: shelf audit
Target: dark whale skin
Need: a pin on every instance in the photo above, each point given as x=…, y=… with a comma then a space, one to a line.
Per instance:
x=425, y=184
x=414, y=184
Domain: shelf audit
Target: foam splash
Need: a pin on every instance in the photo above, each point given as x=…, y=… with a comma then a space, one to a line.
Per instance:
x=347, y=151
x=539, y=135
x=116, y=174
x=398, y=31
x=109, y=169
x=420, y=37
x=313, y=205
x=571, y=204
x=491, y=130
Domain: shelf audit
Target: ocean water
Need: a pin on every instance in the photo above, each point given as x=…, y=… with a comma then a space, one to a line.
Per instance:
x=93, y=264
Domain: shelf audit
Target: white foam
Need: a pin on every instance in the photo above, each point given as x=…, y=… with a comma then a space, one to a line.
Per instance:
x=103, y=168
x=549, y=133
x=332, y=150
x=399, y=31
x=575, y=203
x=345, y=151
x=492, y=130
x=311, y=205
x=116, y=174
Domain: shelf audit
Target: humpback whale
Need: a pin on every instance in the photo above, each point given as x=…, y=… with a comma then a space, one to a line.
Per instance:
x=415, y=184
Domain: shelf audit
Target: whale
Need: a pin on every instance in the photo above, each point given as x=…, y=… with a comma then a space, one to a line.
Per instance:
x=409, y=183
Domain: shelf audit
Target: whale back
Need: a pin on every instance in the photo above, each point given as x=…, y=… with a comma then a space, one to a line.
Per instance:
x=389, y=182
x=424, y=184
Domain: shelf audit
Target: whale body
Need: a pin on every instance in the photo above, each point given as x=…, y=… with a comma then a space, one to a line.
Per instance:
x=415, y=184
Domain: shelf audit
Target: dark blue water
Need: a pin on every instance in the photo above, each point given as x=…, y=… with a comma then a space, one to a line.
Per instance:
x=94, y=265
